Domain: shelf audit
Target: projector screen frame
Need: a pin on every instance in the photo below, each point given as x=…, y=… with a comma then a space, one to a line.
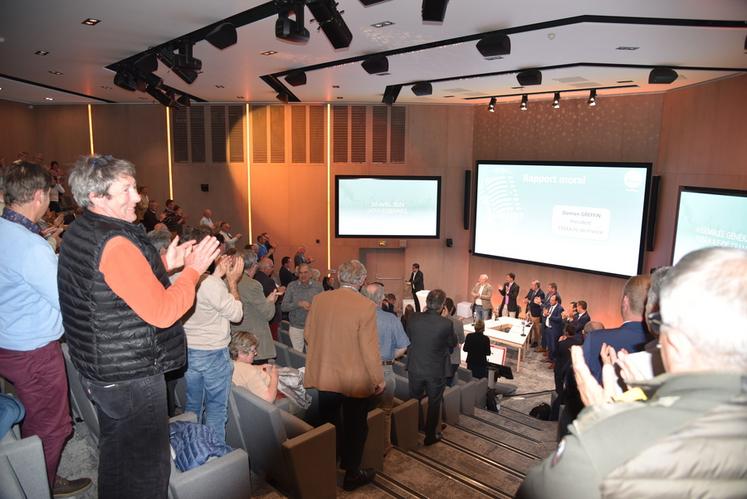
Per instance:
x=616, y=164
x=700, y=190
x=438, y=180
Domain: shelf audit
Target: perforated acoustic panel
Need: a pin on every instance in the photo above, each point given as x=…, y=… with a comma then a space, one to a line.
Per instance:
x=218, y=133
x=298, y=134
x=197, y=133
x=259, y=134
x=236, y=133
x=316, y=134
x=180, y=134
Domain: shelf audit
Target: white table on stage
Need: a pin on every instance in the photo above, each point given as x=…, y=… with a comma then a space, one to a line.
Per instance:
x=516, y=337
x=464, y=309
x=422, y=295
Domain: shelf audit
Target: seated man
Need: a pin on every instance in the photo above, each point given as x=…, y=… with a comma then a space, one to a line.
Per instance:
x=683, y=436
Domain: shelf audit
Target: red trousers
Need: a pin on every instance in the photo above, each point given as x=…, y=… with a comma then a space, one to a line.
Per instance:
x=41, y=385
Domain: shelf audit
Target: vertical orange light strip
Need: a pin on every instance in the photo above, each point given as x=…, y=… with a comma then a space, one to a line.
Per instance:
x=168, y=152
x=329, y=189
x=90, y=128
x=248, y=177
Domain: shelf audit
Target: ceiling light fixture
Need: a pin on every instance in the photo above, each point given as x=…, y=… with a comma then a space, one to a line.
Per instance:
x=335, y=86
x=422, y=88
x=220, y=86
x=529, y=77
x=124, y=78
x=524, y=102
x=48, y=98
x=222, y=36
x=382, y=24
x=491, y=104
x=42, y=52
x=291, y=30
x=90, y=21
x=182, y=63
x=434, y=10
x=331, y=22
x=283, y=97
x=556, y=101
x=269, y=52
x=56, y=73
x=592, y=98
x=627, y=47
x=296, y=78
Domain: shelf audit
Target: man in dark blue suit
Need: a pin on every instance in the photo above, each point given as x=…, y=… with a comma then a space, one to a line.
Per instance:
x=553, y=326
x=631, y=336
x=582, y=317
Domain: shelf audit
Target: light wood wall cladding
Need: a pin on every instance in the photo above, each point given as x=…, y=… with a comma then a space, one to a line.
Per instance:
x=703, y=143
x=136, y=133
x=18, y=130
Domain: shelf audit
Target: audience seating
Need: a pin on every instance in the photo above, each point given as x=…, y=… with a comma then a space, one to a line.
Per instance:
x=82, y=405
x=284, y=335
x=283, y=355
x=405, y=423
x=296, y=359
x=23, y=473
x=299, y=458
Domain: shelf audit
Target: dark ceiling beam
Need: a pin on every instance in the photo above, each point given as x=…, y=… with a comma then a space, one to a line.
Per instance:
x=56, y=89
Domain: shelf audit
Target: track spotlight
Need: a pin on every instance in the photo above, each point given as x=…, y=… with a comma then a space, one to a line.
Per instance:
x=494, y=46
x=331, y=22
x=390, y=94
x=183, y=63
x=296, y=78
x=529, y=77
x=184, y=101
x=125, y=79
x=524, y=102
x=556, y=101
x=376, y=64
x=283, y=97
x=491, y=104
x=160, y=96
x=592, y=98
x=147, y=63
x=291, y=30
x=662, y=76
x=148, y=80
x=434, y=10
x=422, y=88
x=222, y=36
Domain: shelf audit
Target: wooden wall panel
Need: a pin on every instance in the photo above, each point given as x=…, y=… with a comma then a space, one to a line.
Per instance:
x=18, y=130
x=61, y=133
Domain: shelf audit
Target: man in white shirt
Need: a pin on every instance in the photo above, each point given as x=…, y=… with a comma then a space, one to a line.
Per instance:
x=207, y=218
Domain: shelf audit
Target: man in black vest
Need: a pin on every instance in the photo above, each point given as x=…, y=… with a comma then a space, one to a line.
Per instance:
x=121, y=318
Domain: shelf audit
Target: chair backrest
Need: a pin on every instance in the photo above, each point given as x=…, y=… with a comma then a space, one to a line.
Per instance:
x=23, y=472
x=401, y=387
x=283, y=357
x=85, y=407
x=296, y=359
x=284, y=335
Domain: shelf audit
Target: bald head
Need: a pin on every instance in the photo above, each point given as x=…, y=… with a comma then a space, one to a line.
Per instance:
x=374, y=292
x=266, y=265
x=634, y=297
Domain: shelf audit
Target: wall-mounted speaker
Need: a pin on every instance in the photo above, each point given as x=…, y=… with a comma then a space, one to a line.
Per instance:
x=529, y=77
x=653, y=208
x=434, y=10
x=662, y=76
x=495, y=45
x=449, y=242
x=467, y=196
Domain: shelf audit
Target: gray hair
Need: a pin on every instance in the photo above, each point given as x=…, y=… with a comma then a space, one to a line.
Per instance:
x=160, y=239
x=352, y=273
x=435, y=300
x=95, y=174
x=374, y=292
x=652, y=299
x=250, y=259
x=712, y=280
x=315, y=274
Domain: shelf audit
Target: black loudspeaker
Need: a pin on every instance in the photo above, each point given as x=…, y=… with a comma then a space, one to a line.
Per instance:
x=662, y=76
x=147, y=63
x=434, y=10
x=222, y=36
x=494, y=45
x=449, y=242
x=376, y=64
x=467, y=193
x=653, y=208
x=529, y=77
x=205, y=187
x=330, y=20
x=296, y=78
x=422, y=88
x=391, y=93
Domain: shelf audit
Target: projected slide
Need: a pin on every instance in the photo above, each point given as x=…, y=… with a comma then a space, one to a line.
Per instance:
x=387, y=206
x=710, y=217
x=582, y=216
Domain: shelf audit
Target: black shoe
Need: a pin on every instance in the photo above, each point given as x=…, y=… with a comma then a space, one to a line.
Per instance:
x=533, y=345
x=67, y=488
x=435, y=440
x=356, y=479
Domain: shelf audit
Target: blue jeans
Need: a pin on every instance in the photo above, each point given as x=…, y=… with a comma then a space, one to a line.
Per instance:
x=482, y=313
x=208, y=380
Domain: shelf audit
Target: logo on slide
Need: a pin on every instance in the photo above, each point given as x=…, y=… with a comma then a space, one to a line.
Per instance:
x=633, y=179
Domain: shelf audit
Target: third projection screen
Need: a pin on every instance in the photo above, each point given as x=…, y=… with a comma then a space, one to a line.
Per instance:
x=581, y=216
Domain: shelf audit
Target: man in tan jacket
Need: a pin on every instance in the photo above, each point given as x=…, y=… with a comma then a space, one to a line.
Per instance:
x=343, y=362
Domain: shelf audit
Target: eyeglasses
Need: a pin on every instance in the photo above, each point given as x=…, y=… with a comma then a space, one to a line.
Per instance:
x=99, y=161
x=654, y=322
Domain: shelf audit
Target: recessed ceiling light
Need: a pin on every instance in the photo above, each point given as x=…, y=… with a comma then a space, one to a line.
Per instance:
x=382, y=24
x=42, y=52
x=335, y=86
x=219, y=86
x=90, y=21
x=624, y=81
x=339, y=97
x=48, y=98
x=56, y=73
x=627, y=47
x=269, y=52
x=105, y=87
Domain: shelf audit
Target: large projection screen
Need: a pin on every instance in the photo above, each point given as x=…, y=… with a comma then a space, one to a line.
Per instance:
x=387, y=206
x=579, y=216
x=709, y=217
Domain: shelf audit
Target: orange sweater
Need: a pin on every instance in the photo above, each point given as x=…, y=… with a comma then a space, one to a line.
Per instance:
x=128, y=274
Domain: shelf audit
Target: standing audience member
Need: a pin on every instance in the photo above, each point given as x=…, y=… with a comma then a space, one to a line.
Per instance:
x=151, y=216
x=428, y=364
x=31, y=324
x=509, y=291
x=142, y=206
x=297, y=302
x=482, y=294
x=684, y=436
x=393, y=343
x=406, y=315
x=258, y=309
x=208, y=332
x=477, y=346
x=264, y=277
x=121, y=318
x=417, y=283
x=301, y=257
x=286, y=274
x=456, y=353
x=582, y=318
x=533, y=301
x=207, y=219
x=56, y=189
x=344, y=364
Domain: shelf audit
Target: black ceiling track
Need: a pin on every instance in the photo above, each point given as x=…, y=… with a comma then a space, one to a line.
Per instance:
x=641, y=21
x=563, y=91
x=57, y=89
x=280, y=87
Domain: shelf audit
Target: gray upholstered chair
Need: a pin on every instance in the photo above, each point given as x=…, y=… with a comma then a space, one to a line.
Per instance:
x=23, y=472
